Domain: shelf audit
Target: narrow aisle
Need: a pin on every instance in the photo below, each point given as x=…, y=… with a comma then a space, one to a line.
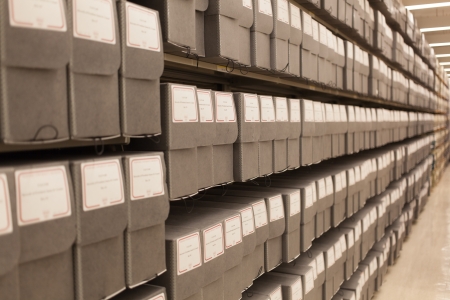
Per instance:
x=423, y=269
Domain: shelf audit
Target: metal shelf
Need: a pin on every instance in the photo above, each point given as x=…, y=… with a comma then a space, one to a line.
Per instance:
x=190, y=71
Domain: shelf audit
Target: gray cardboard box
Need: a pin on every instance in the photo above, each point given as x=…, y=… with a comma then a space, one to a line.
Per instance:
x=10, y=238
x=199, y=35
x=283, y=130
x=142, y=66
x=99, y=249
x=314, y=51
x=322, y=54
x=201, y=5
x=306, y=45
x=279, y=37
x=291, y=285
x=220, y=37
x=340, y=63
x=35, y=78
x=268, y=134
x=260, y=34
x=226, y=135
x=245, y=23
x=348, y=70
x=93, y=73
x=148, y=208
x=144, y=292
x=294, y=133
x=295, y=39
x=182, y=266
x=305, y=272
x=268, y=288
x=206, y=139
x=308, y=130
x=178, y=24
x=246, y=146
x=320, y=129
x=232, y=9
x=263, y=16
x=279, y=55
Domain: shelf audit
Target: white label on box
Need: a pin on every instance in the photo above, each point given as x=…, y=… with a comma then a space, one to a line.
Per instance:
x=338, y=182
x=337, y=250
x=247, y=4
x=248, y=222
x=102, y=184
x=322, y=189
x=331, y=39
x=329, y=185
x=337, y=113
x=94, y=20
x=323, y=35
x=205, y=106
x=349, y=50
x=276, y=208
x=158, y=297
x=251, y=108
x=267, y=109
x=42, y=195
x=38, y=14
x=312, y=264
x=320, y=262
x=260, y=214
x=343, y=113
x=340, y=47
x=294, y=203
x=213, y=242
x=329, y=113
x=189, y=253
x=184, y=104
x=142, y=28
x=295, y=17
x=225, y=112
x=318, y=112
x=315, y=30
x=295, y=110
x=233, y=231
x=281, y=110
x=309, y=111
x=265, y=7
x=330, y=257
x=373, y=266
x=146, y=177
x=276, y=295
x=307, y=23
x=309, y=282
x=351, y=177
x=351, y=239
x=283, y=11
x=308, y=197
x=297, y=290
x=6, y=225
x=314, y=193
x=343, y=243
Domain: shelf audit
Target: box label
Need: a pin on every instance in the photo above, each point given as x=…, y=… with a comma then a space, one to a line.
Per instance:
x=318, y=112
x=283, y=11
x=247, y=3
x=276, y=208
x=233, y=231
x=297, y=290
x=94, y=20
x=282, y=110
x=184, y=104
x=309, y=111
x=309, y=282
x=102, y=184
x=42, y=195
x=225, y=112
x=158, y=297
x=315, y=30
x=251, y=108
x=205, y=106
x=265, y=7
x=147, y=177
x=294, y=203
x=267, y=109
x=213, y=242
x=38, y=14
x=189, y=253
x=6, y=225
x=308, y=197
x=295, y=17
x=248, y=222
x=295, y=110
x=142, y=28
x=260, y=213
x=307, y=24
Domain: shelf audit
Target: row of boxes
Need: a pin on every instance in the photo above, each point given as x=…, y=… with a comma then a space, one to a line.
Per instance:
x=350, y=260
x=220, y=241
x=211, y=137
x=92, y=225
x=79, y=70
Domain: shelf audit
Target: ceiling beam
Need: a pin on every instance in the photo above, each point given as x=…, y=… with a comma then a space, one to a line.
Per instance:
x=437, y=37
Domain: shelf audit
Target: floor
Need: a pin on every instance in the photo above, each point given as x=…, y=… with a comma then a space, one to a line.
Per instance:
x=423, y=269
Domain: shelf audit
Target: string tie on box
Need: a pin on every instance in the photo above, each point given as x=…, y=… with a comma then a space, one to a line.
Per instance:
x=155, y=139
x=96, y=146
x=309, y=253
x=285, y=68
x=228, y=65
x=35, y=138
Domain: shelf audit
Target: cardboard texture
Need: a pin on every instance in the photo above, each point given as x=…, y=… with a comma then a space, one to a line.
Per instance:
x=10, y=239
x=305, y=272
x=291, y=285
x=34, y=76
x=220, y=37
x=260, y=50
x=93, y=76
x=199, y=34
x=269, y=288
x=146, y=215
x=142, y=66
x=99, y=249
x=146, y=291
x=293, y=142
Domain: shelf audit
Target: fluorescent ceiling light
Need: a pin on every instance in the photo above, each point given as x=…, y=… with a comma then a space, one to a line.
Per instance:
x=442, y=55
x=445, y=63
x=435, y=29
x=425, y=6
x=440, y=44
